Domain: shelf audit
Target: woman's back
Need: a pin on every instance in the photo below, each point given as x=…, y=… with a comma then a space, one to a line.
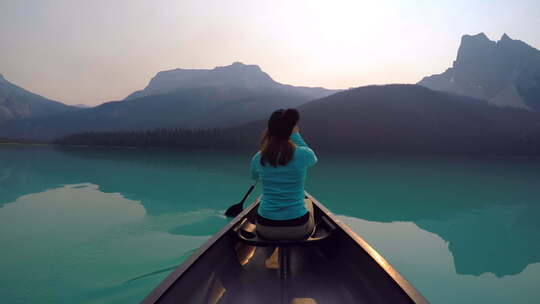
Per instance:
x=283, y=186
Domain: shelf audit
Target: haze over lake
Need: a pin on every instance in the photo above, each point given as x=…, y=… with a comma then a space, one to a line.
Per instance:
x=106, y=225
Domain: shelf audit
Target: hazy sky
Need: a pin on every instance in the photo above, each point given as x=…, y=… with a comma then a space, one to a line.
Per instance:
x=94, y=51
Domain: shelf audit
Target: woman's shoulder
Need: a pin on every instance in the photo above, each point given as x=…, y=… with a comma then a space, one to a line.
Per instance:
x=306, y=156
x=304, y=150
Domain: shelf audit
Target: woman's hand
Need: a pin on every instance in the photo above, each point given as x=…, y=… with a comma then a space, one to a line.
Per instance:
x=296, y=129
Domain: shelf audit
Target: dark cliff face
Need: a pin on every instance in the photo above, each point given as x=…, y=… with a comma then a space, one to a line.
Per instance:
x=473, y=49
x=505, y=73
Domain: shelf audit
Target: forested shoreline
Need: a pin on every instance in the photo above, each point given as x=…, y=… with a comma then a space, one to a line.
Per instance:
x=169, y=138
x=18, y=141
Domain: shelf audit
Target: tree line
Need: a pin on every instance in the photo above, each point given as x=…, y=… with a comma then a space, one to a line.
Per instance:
x=162, y=137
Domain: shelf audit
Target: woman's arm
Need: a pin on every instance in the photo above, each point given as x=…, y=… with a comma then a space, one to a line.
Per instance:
x=311, y=158
x=297, y=139
x=254, y=167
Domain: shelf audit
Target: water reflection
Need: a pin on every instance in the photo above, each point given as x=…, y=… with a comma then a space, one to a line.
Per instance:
x=203, y=223
x=162, y=181
x=484, y=211
x=75, y=243
x=423, y=257
x=501, y=239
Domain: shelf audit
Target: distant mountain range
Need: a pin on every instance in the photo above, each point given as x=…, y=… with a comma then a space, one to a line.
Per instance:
x=505, y=73
x=391, y=118
x=16, y=102
x=216, y=98
x=236, y=75
x=487, y=102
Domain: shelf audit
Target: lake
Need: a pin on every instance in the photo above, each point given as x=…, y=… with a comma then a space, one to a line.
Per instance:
x=88, y=225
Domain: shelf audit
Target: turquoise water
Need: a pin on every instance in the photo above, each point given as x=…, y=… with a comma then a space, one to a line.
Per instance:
x=106, y=225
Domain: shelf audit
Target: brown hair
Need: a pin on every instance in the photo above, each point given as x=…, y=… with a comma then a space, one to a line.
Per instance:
x=275, y=145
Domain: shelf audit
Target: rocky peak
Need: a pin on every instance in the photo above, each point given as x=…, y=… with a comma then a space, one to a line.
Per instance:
x=505, y=38
x=472, y=47
x=478, y=40
x=520, y=48
x=506, y=41
x=477, y=37
x=237, y=65
x=234, y=75
x=243, y=74
x=503, y=72
x=238, y=68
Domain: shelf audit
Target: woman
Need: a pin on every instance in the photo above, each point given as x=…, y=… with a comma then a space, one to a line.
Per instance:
x=281, y=165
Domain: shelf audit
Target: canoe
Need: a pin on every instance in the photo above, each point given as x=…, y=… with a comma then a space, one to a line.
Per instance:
x=334, y=266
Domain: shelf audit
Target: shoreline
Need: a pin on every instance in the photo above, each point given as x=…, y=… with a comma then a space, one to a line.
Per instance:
x=322, y=152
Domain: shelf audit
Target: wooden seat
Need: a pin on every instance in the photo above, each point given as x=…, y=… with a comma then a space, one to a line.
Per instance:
x=247, y=233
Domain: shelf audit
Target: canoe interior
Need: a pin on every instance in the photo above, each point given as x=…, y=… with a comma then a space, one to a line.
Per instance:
x=336, y=270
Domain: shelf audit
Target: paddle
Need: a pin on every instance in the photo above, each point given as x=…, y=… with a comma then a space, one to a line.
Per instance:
x=235, y=210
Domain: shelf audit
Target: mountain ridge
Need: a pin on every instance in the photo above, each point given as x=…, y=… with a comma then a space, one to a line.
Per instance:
x=504, y=72
x=235, y=75
x=189, y=108
x=16, y=102
x=371, y=119
x=217, y=98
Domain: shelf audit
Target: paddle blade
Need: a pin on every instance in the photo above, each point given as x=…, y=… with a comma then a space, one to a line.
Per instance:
x=234, y=210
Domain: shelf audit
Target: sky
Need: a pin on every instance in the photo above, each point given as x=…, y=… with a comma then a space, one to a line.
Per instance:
x=90, y=52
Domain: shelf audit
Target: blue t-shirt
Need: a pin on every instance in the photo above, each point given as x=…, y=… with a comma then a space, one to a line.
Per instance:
x=283, y=186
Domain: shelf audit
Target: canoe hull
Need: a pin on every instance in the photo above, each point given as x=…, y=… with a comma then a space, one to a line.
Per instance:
x=340, y=269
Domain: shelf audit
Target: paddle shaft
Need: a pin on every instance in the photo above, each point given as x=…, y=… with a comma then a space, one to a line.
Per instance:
x=235, y=209
x=248, y=193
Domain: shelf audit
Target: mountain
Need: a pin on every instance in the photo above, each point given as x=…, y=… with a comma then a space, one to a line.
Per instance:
x=411, y=119
x=505, y=73
x=390, y=118
x=16, y=102
x=240, y=75
x=221, y=97
x=188, y=108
